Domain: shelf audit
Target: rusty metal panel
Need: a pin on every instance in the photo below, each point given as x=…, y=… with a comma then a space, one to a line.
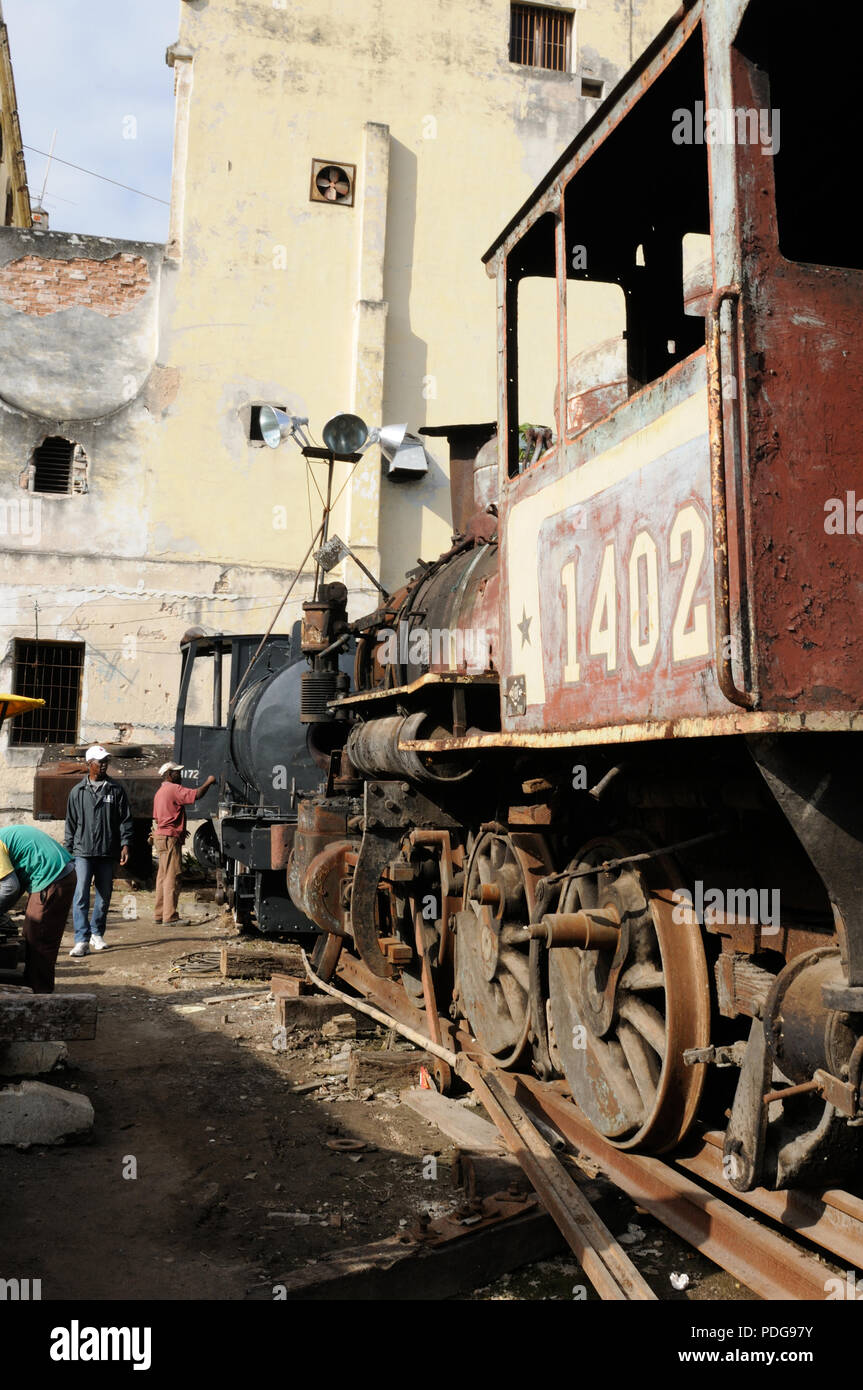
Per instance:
x=281, y=844
x=804, y=376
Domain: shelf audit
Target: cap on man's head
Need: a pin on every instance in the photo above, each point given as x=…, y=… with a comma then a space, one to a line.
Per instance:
x=96, y=753
x=171, y=767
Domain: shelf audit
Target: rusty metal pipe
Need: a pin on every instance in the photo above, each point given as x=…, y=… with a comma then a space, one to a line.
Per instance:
x=419, y=1039
x=592, y=931
x=803, y=1089
x=718, y=479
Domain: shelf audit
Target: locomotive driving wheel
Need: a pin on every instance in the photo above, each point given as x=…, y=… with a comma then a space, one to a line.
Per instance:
x=492, y=956
x=623, y=1015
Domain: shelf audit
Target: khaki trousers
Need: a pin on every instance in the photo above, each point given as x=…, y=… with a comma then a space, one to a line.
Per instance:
x=169, y=849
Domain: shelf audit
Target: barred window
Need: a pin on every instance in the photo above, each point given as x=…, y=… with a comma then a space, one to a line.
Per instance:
x=58, y=465
x=49, y=671
x=540, y=37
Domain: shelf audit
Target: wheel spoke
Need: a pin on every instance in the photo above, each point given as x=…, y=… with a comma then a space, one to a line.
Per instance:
x=641, y=976
x=514, y=962
x=513, y=996
x=493, y=974
x=647, y=1020
x=623, y=1020
x=642, y=1062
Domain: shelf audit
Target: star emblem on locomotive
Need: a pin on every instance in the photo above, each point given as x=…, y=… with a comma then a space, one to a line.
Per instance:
x=524, y=626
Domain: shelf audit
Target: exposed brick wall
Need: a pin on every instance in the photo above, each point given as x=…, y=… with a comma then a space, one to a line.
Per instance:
x=37, y=286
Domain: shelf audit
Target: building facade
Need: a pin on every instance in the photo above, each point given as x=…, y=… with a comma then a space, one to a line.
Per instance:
x=338, y=173
x=14, y=194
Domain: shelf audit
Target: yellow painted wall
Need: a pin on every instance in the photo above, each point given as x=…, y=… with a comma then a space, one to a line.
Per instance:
x=274, y=85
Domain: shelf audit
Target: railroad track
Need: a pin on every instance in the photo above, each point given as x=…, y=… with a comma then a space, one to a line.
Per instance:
x=688, y=1194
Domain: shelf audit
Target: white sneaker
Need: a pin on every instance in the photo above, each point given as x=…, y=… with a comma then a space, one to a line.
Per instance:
x=97, y=942
x=80, y=949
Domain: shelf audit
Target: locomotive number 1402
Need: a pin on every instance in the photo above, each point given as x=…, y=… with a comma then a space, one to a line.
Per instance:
x=648, y=569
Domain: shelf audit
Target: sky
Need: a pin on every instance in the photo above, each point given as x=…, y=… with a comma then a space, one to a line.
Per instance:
x=95, y=71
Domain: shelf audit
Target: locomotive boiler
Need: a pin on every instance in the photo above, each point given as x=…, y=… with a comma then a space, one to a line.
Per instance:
x=249, y=711
x=593, y=798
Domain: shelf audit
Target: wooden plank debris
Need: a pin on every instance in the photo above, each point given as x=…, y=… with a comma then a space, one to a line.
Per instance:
x=465, y=1129
x=236, y=994
x=251, y=965
x=289, y=985
x=47, y=1017
x=306, y=1012
x=405, y=1269
x=603, y=1260
x=391, y=1070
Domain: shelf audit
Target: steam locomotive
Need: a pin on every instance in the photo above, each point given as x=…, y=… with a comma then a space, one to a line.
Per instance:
x=595, y=788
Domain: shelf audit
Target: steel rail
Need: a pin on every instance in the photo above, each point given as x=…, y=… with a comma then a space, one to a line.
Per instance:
x=766, y=1261
x=605, y=1263
x=828, y=1217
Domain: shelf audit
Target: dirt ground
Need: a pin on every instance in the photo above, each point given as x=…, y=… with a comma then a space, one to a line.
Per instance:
x=234, y=1184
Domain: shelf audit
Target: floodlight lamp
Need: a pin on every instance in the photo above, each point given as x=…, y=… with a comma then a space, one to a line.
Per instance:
x=276, y=425
x=345, y=434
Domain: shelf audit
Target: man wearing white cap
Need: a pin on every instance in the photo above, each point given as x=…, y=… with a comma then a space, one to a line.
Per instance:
x=99, y=829
x=169, y=814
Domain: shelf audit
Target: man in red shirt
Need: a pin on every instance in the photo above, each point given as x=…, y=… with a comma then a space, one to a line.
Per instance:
x=169, y=814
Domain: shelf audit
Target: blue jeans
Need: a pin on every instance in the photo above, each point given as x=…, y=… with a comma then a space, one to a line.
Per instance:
x=99, y=872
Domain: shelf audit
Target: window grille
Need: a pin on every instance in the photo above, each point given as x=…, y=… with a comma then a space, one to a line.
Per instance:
x=58, y=466
x=49, y=671
x=540, y=37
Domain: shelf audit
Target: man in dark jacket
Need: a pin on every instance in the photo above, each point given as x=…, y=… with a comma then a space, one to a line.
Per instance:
x=98, y=830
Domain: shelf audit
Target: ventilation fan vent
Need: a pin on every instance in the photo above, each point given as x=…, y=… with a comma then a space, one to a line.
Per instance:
x=333, y=183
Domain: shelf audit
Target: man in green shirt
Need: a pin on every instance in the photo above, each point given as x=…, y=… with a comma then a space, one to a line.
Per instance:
x=31, y=862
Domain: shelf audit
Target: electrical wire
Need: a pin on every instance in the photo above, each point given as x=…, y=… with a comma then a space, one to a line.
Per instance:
x=196, y=963
x=309, y=504
x=104, y=177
